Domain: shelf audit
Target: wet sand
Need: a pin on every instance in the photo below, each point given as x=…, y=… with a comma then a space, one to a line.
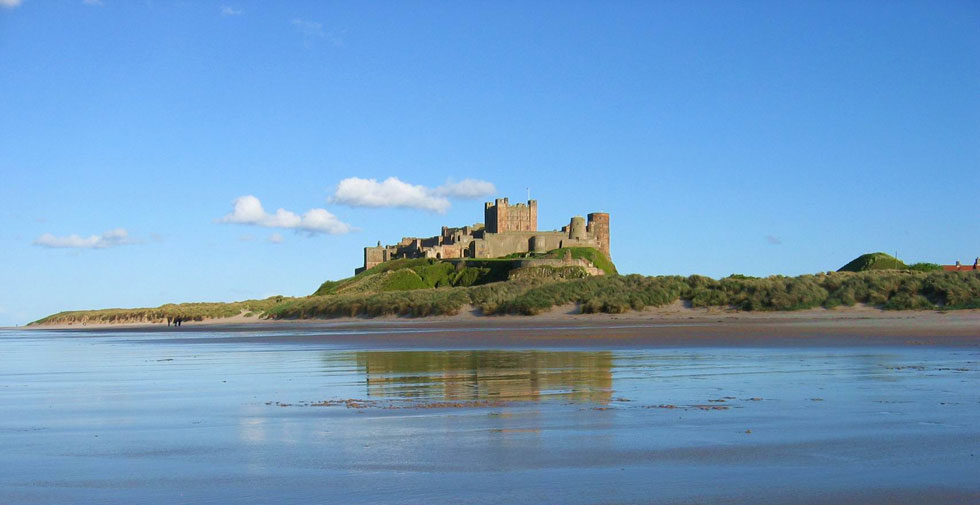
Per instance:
x=287, y=417
x=872, y=409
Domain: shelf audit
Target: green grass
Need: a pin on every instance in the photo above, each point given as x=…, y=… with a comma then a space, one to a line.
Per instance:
x=423, y=273
x=185, y=311
x=489, y=270
x=333, y=287
x=424, y=287
x=403, y=280
x=873, y=261
x=889, y=289
x=587, y=253
x=548, y=273
x=420, y=273
x=328, y=287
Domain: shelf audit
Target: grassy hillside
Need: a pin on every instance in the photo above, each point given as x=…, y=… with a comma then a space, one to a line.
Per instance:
x=424, y=287
x=186, y=311
x=587, y=253
x=890, y=289
x=887, y=289
x=873, y=261
x=422, y=273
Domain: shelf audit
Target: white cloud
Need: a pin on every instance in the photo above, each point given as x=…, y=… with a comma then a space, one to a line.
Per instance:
x=110, y=238
x=227, y=10
x=276, y=238
x=10, y=4
x=393, y=192
x=248, y=210
x=93, y=2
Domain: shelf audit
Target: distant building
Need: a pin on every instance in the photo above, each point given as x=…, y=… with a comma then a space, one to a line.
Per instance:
x=958, y=267
x=507, y=229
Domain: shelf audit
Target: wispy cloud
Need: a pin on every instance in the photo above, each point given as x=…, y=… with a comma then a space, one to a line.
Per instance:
x=313, y=30
x=774, y=240
x=111, y=238
x=276, y=238
x=10, y=4
x=97, y=3
x=308, y=28
x=393, y=192
x=227, y=10
x=248, y=210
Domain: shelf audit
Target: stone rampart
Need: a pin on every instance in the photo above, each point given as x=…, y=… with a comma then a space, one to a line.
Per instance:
x=508, y=229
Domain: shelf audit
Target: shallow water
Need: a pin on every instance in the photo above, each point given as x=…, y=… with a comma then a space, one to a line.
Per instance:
x=137, y=418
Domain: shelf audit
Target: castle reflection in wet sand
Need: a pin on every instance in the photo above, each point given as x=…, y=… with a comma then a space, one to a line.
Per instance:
x=137, y=417
x=505, y=376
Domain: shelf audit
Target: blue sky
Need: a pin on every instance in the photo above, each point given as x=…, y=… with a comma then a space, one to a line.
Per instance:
x=723, y=137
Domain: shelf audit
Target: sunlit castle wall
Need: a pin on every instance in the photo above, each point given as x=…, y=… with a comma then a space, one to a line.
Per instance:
x=501, y=217
x=508, y=229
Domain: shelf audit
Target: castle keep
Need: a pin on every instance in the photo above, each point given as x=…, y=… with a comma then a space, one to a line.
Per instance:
x=507, y=229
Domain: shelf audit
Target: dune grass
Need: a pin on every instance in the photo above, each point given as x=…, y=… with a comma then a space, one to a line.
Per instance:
x=419, y=273
x=185, y=311
x=595, y=256
x=422, y=273
x=926, y=267
x=886, y=289
x=587, y=253
x=893, y=290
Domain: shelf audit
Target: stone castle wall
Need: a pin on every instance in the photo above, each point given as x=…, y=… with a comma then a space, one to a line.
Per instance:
x=509, y=229
x=598, y=228
x=501, y=217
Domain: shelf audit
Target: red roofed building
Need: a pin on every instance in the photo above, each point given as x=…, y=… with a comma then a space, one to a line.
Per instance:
x=959, y=267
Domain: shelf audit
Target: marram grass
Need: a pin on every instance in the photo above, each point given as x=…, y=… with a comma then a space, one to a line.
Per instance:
x=886, y=289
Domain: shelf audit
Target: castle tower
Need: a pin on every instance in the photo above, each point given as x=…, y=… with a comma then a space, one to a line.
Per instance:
x=500, y=216
x=599, y=228
x=576, y=228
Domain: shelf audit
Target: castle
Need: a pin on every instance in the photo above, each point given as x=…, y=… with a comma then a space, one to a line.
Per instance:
x=507, y=229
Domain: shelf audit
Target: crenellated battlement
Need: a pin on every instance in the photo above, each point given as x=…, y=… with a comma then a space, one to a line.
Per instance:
x=500, y=216
x=507, y=229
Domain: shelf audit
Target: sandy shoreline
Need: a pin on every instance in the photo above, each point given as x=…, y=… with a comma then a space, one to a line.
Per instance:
x=896, y=425
x=669, y=326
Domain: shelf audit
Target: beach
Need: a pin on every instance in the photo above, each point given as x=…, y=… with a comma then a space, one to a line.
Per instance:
x=524, y=410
